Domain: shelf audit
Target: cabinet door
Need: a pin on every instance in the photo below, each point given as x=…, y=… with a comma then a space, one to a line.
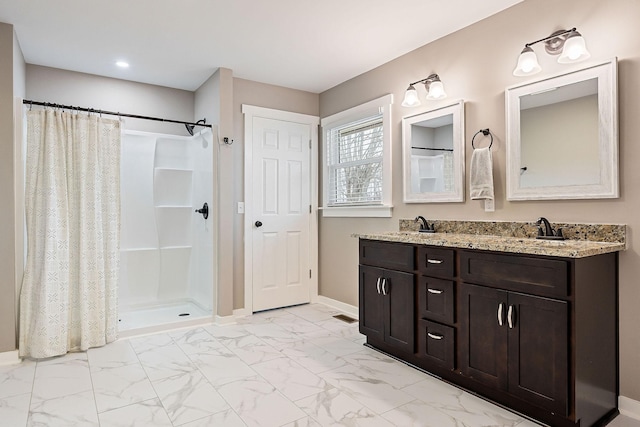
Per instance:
x=538, y=344
x=483, y=340
x=399, y=310
x=371, y=308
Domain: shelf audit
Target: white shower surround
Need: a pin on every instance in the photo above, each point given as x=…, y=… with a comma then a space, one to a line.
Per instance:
x=166, y=248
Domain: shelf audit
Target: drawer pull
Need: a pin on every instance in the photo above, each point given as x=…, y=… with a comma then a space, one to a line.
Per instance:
x=434, y=261
x=434, y=291
x=500, y=317
x=384, y=286
x=378, y=284
x=435, y=336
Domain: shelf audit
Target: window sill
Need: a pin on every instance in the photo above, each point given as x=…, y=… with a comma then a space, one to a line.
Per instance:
x=357, y=212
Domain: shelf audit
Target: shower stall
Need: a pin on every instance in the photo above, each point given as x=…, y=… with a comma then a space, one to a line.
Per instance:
x=166, y=247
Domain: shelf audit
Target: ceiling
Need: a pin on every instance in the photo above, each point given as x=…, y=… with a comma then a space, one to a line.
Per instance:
x=309, y=45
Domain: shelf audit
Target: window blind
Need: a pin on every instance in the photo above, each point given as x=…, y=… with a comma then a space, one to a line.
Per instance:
x=355, y=154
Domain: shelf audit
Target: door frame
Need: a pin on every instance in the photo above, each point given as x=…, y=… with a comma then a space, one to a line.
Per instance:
x=251, y=111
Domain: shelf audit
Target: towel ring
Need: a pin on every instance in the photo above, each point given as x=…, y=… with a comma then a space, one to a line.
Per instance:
x=485, y=132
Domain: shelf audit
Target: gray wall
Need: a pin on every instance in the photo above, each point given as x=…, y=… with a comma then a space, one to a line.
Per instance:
x=9, y=81
x=214, y=100
x=105, y=93
x=475, y=64
x=19, y=91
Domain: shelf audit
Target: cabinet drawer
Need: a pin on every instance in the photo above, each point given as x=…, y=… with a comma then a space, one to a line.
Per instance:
x=436, y=261
x=437, y=343
x=436, y=299
x=396, y=256
x=545, y=277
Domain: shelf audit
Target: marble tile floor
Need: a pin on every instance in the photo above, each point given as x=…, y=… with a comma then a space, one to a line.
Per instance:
x=296, y=366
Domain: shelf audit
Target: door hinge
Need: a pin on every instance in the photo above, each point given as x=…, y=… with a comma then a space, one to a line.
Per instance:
x=309, y=208
x=310, y=145
x=309, y=274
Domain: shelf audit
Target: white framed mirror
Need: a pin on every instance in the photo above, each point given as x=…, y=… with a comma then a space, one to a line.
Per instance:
x=433, y=155
x=562, y=136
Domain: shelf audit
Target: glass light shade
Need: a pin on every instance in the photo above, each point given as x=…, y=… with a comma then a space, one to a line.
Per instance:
x=436, y=90
x=575, y=49
x=411, y=97
x=527, y=63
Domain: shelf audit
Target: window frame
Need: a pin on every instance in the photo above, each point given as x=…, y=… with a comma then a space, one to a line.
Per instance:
x=372, y=108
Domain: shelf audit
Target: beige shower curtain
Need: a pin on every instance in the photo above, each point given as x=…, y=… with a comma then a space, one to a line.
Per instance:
x=68, y=299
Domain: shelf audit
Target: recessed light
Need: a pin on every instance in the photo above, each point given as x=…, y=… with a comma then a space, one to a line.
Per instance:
x=122, y=64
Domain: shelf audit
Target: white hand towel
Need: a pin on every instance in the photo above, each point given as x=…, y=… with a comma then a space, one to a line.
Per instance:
x=481, y=174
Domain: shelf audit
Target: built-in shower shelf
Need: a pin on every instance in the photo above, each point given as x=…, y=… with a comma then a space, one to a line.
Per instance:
x=175, y=247
x=175, y=170
x=138, y=249
x=174, y=206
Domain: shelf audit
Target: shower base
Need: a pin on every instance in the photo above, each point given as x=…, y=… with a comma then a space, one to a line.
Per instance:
x=157, y=318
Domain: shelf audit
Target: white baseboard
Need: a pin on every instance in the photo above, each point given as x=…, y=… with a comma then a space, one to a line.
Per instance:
x=9, y=358
x=225, y=320
x=629, y=407
x=241, y=312
x=349, y=309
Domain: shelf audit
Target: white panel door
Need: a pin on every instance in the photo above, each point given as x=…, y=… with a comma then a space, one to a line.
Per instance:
x=281, y=213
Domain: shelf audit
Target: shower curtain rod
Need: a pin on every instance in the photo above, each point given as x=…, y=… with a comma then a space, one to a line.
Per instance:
x=110, y=113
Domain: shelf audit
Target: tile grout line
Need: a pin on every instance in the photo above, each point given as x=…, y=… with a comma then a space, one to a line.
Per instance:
x=93, y=389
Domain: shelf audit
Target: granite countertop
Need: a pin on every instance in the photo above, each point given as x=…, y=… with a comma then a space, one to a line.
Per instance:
x=519, y=245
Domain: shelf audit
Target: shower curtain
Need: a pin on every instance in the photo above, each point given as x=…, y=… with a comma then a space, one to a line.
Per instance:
x=68, y=299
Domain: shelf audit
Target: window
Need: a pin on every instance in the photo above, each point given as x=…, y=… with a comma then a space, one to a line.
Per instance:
x=357, y=160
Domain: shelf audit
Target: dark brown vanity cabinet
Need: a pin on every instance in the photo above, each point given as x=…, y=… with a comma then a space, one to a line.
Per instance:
x=535, y=333
x=387, y=296
x=517, y=343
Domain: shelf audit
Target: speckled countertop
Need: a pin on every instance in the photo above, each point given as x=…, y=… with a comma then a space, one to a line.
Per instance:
x=491, y=236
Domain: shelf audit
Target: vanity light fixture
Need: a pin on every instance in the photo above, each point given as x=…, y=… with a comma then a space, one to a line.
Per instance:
x=569, y=44
x=435, y=90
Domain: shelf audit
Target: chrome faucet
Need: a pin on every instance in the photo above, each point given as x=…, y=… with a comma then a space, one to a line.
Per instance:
x=548, y=233
x=424, y=225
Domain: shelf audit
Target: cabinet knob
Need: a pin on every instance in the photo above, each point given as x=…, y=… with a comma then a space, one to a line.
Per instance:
x=258, y=224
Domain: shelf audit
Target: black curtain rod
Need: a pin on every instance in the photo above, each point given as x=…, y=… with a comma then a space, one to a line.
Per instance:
x=110, y=113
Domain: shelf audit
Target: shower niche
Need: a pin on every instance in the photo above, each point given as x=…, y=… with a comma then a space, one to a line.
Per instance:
x=166, y=248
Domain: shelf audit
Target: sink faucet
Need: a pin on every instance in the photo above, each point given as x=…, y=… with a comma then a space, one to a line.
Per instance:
x=424, y=225
x=549, y=232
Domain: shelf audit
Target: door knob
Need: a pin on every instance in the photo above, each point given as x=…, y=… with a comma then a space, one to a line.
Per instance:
x=204, y=211
x=258, y=224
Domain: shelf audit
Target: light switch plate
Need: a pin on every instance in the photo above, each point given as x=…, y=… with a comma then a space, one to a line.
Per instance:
x=489, y=205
